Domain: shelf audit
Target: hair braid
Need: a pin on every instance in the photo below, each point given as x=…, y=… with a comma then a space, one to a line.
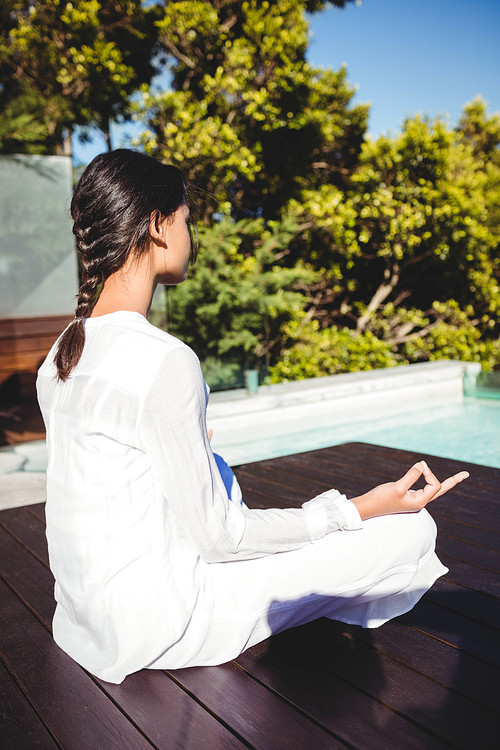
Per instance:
x=73, y=340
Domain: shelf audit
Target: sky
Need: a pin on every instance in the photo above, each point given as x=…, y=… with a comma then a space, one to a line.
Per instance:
x=404, y=57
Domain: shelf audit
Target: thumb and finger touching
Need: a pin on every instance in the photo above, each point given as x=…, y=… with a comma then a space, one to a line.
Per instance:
x=433, y=487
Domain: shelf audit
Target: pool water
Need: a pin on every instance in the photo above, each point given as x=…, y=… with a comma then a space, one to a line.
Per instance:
x=468, y=431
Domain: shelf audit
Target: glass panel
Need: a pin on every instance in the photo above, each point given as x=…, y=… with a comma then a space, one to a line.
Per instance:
x=38, y=266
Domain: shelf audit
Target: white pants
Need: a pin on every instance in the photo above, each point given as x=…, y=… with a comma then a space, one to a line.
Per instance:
x=362, y=577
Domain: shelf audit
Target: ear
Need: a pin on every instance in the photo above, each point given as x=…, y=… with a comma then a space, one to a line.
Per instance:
x=156, y=228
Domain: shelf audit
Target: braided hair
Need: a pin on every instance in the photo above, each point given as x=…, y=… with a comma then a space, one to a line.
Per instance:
x=111, y=210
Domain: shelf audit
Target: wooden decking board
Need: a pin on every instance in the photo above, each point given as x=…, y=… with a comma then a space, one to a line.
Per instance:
x=33, y=582
x=28, y=578
x=472, y=534
x=481, y=510
x=259, y=716
x=377, y=461
x=168, y=714
x=425, y=681
x=474, y=605
x=55, y=684
x=452, y=668
x=410, y=693
x=322, y=474
x=285, y=665
x=472, y=576
x=28, y=529
x=37, y=510
x=20, y=725
x=459, y=631
x=472, y=554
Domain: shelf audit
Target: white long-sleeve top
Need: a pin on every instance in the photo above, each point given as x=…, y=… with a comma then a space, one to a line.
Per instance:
x=135, y=503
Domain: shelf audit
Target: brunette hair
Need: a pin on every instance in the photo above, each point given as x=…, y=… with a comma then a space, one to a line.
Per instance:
x=111, y=210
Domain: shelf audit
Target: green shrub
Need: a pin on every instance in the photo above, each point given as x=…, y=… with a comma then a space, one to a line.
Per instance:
x=316, y=352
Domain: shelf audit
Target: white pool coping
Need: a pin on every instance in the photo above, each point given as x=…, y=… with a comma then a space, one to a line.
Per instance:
x=244, y=424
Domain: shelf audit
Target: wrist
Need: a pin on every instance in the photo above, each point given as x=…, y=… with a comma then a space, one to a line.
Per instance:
x=366, y=506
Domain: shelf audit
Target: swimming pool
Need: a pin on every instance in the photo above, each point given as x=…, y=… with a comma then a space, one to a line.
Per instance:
x=466, y=431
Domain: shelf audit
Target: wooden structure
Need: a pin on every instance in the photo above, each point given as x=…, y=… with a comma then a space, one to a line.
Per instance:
x=427, y=680
x=24, y=344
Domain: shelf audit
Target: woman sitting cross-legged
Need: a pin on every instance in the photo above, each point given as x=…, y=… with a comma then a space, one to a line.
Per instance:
x=155, y=565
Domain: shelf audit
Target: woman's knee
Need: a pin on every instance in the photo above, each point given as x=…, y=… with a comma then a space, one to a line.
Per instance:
x=403, y=537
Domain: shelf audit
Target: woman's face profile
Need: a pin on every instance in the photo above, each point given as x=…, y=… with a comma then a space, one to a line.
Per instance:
x=174, y=263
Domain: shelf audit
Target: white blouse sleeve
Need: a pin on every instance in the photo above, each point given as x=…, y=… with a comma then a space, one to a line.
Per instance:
x=172, y=431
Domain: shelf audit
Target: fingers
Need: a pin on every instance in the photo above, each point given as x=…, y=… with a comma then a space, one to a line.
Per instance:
x=449, y=483
x=433, y=488
x=439, y=488
x=411, y=476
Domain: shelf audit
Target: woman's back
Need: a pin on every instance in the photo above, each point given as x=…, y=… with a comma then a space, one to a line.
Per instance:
x=113, y=546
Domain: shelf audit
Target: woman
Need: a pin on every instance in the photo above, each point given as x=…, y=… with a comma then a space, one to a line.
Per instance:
x=155, y=566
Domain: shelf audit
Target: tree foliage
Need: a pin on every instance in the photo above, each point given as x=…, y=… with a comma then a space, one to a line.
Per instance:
x=238, y=297
x=247, y=117
x=64, y=64
x=410, y=251
x=312, y=352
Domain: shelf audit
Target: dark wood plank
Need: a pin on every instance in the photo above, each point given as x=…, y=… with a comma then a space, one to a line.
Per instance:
x=466, y=552
x=68, y=700
x=450, y=666
x=325, y=469
x=20, y=725
x=168, y=714
x=426, y=680
x=474, y=605
x=284, y=665
x=449, y=716
x=458, y=630
x=28, y=576
x=38, y=510
x=258, y=715
x=383, y=459
x=371, y=463
x=27, y=528
x=260, y=488
x=472, y=576
x=456, y=529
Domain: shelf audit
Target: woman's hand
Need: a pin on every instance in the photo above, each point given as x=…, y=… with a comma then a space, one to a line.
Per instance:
x=397, y=497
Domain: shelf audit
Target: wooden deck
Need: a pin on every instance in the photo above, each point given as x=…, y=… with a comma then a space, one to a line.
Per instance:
x=426, y=680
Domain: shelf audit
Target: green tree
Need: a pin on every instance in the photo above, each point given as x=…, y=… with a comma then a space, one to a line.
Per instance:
x=238, y=298
x=64, y=64
x=312, y=352
x=410, y=251
x=481, y=131
x=248, y=119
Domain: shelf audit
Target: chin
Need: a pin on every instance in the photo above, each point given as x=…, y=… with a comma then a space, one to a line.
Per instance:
x=172, y=280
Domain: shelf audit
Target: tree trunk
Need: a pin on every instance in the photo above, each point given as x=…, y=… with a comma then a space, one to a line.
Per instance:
x=391, y=277
x=106, y=129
